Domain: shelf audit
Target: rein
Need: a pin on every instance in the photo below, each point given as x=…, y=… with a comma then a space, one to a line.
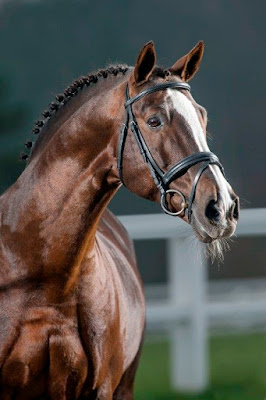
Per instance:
x=163, y=179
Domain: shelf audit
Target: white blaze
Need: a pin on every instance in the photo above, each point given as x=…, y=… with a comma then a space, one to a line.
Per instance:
x=185, y=108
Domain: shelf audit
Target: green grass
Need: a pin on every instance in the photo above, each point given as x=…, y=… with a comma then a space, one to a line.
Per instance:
x=238, y=370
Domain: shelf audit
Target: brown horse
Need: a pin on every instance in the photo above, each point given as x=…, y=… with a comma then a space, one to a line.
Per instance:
x=72, y=305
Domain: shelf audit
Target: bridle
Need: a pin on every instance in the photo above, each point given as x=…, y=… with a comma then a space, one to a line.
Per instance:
x=163, y=179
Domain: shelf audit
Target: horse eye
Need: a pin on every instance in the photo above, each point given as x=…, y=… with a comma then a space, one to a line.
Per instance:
x=154, y=122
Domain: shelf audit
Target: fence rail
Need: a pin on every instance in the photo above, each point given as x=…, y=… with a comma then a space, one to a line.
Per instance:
x=161, y=226
x=187, y=311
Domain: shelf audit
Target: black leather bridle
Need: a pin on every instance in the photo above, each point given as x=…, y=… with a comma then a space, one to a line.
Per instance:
x=163, y=179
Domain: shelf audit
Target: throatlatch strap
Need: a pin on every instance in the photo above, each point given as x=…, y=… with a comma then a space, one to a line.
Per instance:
x=121, y=147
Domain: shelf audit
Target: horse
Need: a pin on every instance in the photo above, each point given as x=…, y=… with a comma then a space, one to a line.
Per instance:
x=72, y=303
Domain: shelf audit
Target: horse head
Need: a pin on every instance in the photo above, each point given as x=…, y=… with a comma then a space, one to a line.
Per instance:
x=163, y=153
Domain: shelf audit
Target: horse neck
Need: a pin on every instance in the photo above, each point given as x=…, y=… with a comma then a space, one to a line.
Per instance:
x=50, y=215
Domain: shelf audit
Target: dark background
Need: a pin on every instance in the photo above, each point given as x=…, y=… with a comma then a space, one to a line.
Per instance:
x=46, y=44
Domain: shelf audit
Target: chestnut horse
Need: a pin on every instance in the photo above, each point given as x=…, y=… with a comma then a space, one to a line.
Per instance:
x=72, y=305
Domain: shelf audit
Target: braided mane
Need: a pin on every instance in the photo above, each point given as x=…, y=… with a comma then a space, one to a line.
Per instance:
x=72, y=90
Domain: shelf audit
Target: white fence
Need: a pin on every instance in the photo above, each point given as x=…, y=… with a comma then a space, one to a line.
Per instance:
x=187, y=313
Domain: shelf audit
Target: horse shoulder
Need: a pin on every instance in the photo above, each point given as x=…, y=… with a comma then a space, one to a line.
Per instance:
x=111, y=296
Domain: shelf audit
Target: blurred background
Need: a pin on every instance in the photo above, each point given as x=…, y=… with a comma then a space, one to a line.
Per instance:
x=47, y=44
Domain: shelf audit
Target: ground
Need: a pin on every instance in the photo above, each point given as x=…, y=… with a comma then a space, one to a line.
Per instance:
x=238, y=370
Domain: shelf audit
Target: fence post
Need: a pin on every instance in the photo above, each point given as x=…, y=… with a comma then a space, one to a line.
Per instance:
x=187, y=287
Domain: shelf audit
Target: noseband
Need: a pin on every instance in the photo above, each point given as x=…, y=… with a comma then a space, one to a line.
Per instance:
x=163, y=179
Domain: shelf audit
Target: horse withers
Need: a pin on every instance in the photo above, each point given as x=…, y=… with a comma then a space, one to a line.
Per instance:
x=72, y=305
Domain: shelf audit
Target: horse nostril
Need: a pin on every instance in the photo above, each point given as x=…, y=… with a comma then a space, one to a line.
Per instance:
x=234, y=212
x=212, y=212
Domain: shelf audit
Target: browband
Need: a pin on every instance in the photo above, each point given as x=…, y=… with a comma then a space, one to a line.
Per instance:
x=157, y=88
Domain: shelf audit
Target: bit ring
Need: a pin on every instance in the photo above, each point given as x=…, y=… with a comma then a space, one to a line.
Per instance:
x=184, y=204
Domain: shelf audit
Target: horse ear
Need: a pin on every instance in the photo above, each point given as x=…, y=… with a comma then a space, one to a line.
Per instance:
x=145, y=63
x=187, y=66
